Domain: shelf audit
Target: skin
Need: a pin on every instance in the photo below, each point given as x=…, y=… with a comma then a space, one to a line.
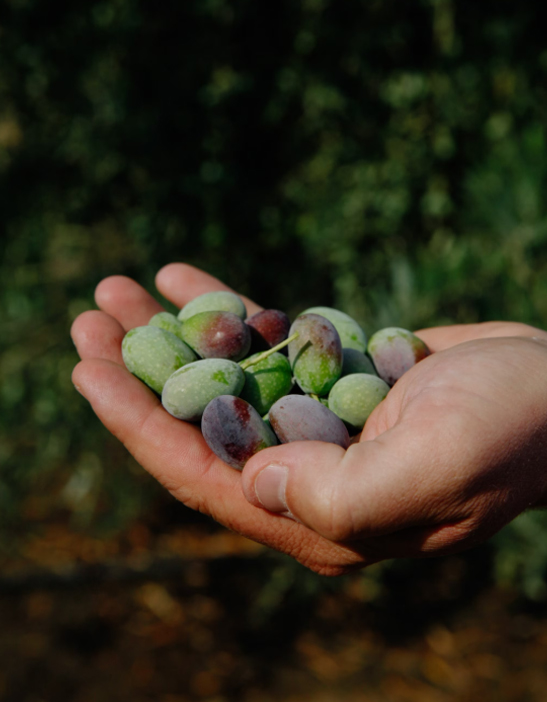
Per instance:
x=455, y=452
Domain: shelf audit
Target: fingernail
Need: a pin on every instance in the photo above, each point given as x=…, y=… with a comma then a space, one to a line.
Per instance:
x=270, y=486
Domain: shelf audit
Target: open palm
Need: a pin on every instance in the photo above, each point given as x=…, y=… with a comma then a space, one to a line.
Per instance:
x=457, y=449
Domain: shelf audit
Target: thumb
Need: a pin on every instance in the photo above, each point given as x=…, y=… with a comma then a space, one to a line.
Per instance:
x=373, y=488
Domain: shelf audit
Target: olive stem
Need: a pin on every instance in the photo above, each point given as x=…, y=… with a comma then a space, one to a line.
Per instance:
x=314, y=397
x=251, y=362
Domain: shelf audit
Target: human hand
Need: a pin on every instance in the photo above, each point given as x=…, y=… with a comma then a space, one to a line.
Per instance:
x=455, y=451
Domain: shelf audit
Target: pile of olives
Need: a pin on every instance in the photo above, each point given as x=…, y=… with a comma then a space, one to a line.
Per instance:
x=254, y=382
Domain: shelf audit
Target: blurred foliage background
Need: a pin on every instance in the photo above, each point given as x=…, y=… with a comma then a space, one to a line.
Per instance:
x=383, y=157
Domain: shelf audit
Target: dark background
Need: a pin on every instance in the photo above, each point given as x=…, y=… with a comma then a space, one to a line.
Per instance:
x=383, y=157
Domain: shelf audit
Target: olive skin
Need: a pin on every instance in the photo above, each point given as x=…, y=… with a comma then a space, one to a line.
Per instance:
x=351, y=334
x=217, y=335
x=316, y=354
x=216, y=301
x=267, y=381
x=354, y=397
x=153, y=354
x=300, y=418
x=234, y=431
x=187, y=392
x=394, y=351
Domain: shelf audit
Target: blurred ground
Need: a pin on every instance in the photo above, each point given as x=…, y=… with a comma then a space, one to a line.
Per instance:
x=140, y=617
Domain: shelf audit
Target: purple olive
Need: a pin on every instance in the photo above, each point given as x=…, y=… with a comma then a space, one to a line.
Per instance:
x=217, y=335
x=301, y=418
x=234, y=430
x=268, y=328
